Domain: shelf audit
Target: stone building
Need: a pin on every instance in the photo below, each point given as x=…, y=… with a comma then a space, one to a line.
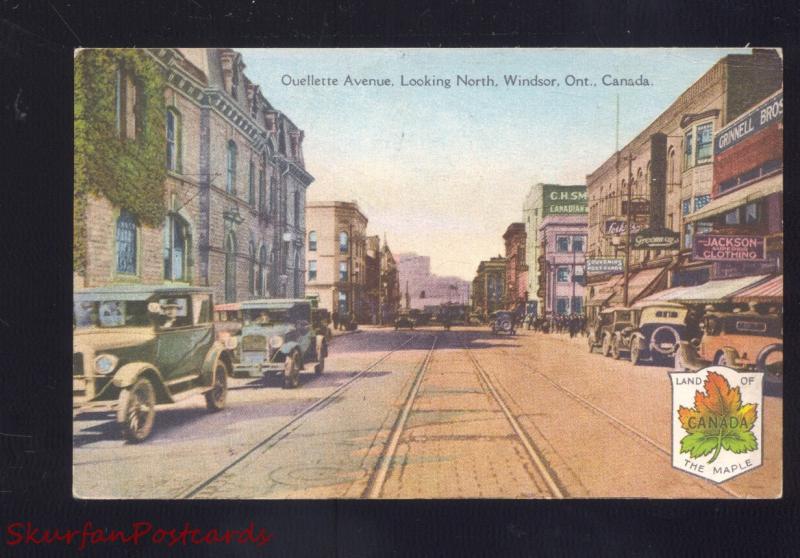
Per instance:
x=336, y=256
x=426, y=288
x=488, y=286
x=382, y=288
x=516, y=296
x=235, y=188
x=668, y=167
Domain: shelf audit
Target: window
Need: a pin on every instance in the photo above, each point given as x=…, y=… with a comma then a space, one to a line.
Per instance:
x=128, y=104
x=562, y=274
x=173, y=141
x=312, y=241
x=251, y=183
x=343, y=306
x=296, y=201
x=175, y=248
x=579, y=275
x=704, y=227
x=732, y=217
x=262, y=193
x=703, y=150
x=577, y=244
x=230, y=268
x=686, y=206
x=751, y=214
x=126, y=243
x=344, y=243
x=577, y=305
x=312, y=270
x=251, y=277
x=273, y=196
x=262, y=271
x=562, y=305
x=687, y=235
x=342, y=271
x=562, y=244
x=230, y=184
x=701, y=201
x=687, y=151
x=201, y=309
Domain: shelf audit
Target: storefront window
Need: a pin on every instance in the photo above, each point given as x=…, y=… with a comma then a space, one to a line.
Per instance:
x=562, y=305
x=687, y=235
x=577, y=305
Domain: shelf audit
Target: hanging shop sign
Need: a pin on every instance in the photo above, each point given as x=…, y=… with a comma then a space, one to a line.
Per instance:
x=615, y=227
x=596, y=266
x=564, y=200
x=639, y=206
x=729, y=248
x=656, y=239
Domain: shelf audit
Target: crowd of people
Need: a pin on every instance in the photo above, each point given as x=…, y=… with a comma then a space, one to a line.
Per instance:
x=574, y=324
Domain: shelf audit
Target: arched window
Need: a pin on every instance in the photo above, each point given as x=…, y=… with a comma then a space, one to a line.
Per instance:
x=176, y=233
x=173, y=140
x=127, y=229
x=344, y=243
x=230, y=184
x=230, y=268
x=262, y=271
x=312, y=241
x=251, y=277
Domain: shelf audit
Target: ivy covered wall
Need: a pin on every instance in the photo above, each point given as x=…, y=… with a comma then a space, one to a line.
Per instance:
x=130, y=173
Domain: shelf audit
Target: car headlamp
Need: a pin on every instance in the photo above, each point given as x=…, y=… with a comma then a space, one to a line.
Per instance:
x=105, y=364
x=231, y=343
x=276, y=341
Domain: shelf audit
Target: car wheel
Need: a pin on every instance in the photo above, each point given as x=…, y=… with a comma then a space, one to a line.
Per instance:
x=137, y=410
x=722, y=360
x=605, y=348
x=635, y=354
x=215, y=399
x=291, y=371
x=615, y=353
x=319, y=368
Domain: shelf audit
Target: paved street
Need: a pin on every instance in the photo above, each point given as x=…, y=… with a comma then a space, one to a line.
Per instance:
x=422, y=414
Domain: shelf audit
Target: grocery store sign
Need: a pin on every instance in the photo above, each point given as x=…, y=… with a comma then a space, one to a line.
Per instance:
x=604, y=265
x=729, y=248
x=564, y=200
x=769, y=112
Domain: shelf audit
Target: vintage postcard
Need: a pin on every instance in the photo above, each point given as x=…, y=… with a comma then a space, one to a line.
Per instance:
x=428, y=273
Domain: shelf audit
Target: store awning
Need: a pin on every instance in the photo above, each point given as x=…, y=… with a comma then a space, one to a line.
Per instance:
x=637, y=284
x=718, y=291
x=767, y=291
x=748, y=194
x=667, y=294
x=603, y=291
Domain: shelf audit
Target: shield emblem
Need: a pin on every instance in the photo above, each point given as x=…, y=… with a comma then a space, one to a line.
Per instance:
x=717, y=422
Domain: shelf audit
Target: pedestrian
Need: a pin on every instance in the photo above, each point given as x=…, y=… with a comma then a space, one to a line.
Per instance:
x=335, y=318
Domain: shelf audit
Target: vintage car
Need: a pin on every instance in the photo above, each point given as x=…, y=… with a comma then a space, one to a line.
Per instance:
x=227, y=320
x=657, y=334
x=503, y=321
x=278, y=337
x=138, y=346
x=741, y=340
x=404, y=320
x=606, y=324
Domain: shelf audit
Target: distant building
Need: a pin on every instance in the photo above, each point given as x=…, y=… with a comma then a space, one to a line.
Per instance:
x=426, y=288
x=488, y=286
x=336, y=256
x=516, y=268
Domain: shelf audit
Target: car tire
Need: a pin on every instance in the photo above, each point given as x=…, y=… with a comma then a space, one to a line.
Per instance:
x=291, y=371
x=605, y=348
x=721, y=360
x=137, y=410
x=635, y=354
x=215, y=398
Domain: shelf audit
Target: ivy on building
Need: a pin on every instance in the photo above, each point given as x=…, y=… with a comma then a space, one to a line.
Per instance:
x=130, y=173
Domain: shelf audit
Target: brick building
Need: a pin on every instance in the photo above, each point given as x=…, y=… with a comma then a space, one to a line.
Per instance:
x=488, y=286
x=667, y=168
x=516, y=268
x=235, y=189
x=336, y=256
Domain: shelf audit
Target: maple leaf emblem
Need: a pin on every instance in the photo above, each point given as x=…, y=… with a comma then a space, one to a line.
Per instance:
x=718, y=421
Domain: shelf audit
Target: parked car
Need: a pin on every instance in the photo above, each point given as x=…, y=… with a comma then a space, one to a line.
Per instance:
x=606, y=324
x=279, y=337
x=656, y=335
x=135, y=347
x=741, y=340
x=503, y=322
x=227, y=320
x=404, y=320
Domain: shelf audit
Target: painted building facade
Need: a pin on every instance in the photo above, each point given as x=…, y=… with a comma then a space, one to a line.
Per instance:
x=564, y=248
x=426, y=288
x=515, y=239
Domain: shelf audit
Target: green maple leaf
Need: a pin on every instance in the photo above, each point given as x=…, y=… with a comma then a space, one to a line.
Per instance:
x=718, y=421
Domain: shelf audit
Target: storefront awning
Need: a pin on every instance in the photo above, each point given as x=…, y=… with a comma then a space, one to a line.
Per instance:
x=715, y=292
x=604, y=291
x=767, y=291
x=637, y=284
x=748, y=194
x=667, y=294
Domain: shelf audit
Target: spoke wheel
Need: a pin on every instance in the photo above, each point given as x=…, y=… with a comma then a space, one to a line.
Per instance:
x=215, y=399
x=137, y=410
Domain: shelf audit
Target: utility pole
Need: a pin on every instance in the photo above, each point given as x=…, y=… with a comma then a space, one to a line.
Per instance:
x=628, y=233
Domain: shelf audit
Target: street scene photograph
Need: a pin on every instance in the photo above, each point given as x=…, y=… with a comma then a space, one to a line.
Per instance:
x=428, y=273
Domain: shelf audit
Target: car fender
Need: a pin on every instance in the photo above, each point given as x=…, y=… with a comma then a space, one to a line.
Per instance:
x=288, y=347
x=322, y=347
x=128, y=374
x=761, y=359
x=217, y=352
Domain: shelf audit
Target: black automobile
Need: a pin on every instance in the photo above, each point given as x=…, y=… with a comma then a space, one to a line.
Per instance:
x=503, y=322
x=404, y=320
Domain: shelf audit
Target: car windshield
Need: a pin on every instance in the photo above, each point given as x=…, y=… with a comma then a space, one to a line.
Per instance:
x=110, y=313
x=266, y=317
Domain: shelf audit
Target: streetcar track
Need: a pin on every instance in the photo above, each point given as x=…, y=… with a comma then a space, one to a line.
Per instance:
x=281, y=432
x=630, y=430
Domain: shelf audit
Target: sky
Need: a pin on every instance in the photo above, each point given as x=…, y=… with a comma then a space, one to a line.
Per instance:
x=443, y=171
